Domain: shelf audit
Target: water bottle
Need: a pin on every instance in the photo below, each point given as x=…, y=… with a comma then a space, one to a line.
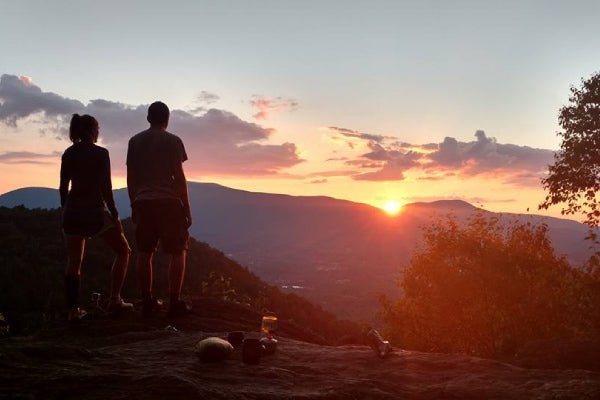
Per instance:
x=269, y=324
x=381, y=347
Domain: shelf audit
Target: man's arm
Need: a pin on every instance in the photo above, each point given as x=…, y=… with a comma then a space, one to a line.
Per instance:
x=131, y=185
x=131, y=178
x=182, y=191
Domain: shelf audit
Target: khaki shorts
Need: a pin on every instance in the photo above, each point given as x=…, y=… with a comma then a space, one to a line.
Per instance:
x=161, y=220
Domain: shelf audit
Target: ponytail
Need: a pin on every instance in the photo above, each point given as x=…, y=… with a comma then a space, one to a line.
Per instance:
x=74, y=128
x=83, y=127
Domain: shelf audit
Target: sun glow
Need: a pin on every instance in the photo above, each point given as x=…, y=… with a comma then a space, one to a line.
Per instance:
x=392, y=207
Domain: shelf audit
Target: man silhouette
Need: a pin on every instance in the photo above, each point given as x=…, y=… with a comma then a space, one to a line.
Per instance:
x=160, y=206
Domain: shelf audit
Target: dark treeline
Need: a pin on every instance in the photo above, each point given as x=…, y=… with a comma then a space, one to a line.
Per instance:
x=33, y=259
x=492, y=290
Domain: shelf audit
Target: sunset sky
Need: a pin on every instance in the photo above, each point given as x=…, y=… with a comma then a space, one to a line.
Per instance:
x=370, y=101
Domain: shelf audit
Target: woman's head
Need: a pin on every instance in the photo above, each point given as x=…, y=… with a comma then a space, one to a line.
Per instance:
x=83, y=128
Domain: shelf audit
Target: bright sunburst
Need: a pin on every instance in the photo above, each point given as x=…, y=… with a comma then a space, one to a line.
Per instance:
x=392, y=207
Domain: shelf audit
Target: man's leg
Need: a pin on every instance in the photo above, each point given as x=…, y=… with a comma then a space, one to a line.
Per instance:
x=176, y=274
x=150, y=306
x=175, y=239
x=146, y=236
x=144, y=266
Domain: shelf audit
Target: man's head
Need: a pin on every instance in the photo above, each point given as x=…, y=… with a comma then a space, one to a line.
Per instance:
x=158, y=114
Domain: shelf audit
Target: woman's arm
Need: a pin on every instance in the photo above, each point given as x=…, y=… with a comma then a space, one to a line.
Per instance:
x=64, y=181
x=106, y=186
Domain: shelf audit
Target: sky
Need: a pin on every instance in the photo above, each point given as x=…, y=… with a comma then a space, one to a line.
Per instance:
x=370, y=101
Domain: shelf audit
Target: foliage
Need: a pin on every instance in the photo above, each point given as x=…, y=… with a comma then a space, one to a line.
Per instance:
x=574, y=178
x=33, y=260
x=486, y=289
x=4, y=327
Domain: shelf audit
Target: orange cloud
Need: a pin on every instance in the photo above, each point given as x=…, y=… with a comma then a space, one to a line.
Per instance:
x=266, y=105
x=217, y=142
x=389, y=159
x=27, y=80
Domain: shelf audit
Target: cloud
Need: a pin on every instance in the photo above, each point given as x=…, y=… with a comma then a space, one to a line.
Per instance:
x=485, y=155
x=337, y=159
x=27, y=157
x=265, y=106
x=19, y=98
x=448, y=154
x=324, y=180
x=203, y=100
x=332, y=173
x=390, y=160
x=217, y=142
x=437, y=177
x=354, y=138
x=395, y=163
x=349, y=133
x=207, y=97
x=420, y=147
x=391, y=171
x=27, y=80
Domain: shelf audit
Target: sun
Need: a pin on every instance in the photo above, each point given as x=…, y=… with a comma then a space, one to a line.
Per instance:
x=392, y=207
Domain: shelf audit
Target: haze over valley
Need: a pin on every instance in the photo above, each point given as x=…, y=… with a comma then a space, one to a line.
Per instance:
x=339, y=254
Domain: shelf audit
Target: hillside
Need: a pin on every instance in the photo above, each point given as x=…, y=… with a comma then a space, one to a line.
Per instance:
x=337, y=253
x=135, y=359
x=33, y=258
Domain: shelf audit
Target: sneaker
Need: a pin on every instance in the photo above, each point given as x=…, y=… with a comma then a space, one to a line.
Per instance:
x=151, y=307
x=178, y=309
x=117, y=306
x=76, y=314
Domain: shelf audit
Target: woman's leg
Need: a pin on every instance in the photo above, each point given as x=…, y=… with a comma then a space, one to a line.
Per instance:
x=75, y=247
x=115, y=238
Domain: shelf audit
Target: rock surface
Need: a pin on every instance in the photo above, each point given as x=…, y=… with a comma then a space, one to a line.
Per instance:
x=131, y=358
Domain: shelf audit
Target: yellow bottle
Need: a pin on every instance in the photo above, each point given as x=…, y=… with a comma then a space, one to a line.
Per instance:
x=269, y=324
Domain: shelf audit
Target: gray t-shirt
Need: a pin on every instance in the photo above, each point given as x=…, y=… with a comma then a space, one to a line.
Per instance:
x=153, y=156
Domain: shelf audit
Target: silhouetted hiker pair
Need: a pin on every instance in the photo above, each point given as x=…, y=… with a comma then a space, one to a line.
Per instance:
x=159, y=201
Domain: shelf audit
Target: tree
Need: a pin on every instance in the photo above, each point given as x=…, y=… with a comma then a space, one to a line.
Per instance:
x=574, y=178
x=484, y=289
x=33, y=259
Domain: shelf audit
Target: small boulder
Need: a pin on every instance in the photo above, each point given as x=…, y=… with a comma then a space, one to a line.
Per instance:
x=213, y=349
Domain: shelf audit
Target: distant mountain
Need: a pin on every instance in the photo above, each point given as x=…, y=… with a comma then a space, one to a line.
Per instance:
x=31, y=197
x=47, y=198
x=336, y=252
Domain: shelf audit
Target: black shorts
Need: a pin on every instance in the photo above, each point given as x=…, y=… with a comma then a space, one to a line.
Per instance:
x=162, y=220
x=85, y=221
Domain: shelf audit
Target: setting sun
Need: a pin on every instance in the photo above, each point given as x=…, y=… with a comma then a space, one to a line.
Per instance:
x=392, y=207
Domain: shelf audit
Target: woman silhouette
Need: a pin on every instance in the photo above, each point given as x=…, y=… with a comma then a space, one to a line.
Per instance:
x=89, y=210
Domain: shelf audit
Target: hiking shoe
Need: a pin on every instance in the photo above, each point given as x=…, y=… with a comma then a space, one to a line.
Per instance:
x=179, y=309
x=117, y=306
x=76, y=314
x=151, y=307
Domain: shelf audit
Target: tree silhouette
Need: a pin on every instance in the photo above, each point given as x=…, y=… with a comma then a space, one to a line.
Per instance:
x=574, y=178
x=33, y=259
x=487, y=289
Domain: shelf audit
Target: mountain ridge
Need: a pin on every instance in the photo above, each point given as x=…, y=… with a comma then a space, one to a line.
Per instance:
x=337, y=253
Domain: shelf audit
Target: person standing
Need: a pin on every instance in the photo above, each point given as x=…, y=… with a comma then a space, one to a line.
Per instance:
x=160, y=206
x=89, y=210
